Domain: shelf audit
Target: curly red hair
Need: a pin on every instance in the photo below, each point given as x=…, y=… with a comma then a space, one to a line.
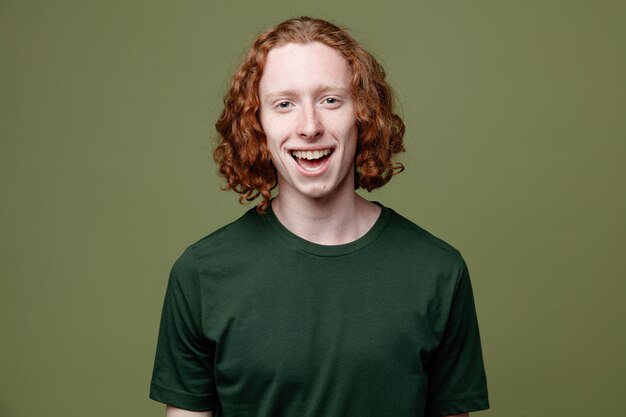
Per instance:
x=242, y=154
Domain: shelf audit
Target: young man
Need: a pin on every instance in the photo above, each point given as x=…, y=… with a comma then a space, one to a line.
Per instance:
x=319, y=302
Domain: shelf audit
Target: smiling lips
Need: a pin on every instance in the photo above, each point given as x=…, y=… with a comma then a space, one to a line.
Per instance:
x=312, y=161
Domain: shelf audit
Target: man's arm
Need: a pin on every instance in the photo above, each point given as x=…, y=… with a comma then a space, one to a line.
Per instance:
x=178, y=412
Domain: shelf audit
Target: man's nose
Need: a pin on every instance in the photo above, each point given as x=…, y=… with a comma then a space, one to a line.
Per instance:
x=310, y=126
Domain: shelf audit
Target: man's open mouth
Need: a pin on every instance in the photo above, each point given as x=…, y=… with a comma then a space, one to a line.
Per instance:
x=311, y=160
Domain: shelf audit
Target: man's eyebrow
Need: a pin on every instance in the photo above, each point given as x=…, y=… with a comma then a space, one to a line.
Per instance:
x=317, y=91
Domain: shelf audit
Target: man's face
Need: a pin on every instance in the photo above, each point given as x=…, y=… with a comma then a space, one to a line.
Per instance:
x=307, y=114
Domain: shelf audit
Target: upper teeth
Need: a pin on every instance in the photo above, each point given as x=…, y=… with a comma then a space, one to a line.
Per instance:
x=311, y=154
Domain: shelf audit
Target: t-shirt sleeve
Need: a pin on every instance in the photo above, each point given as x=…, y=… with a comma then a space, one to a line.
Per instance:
x=456, y=375
x=183, y=368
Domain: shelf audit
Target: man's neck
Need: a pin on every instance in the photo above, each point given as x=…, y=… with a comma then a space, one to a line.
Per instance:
x=327, y=221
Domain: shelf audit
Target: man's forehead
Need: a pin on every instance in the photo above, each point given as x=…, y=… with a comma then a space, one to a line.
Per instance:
x=310, y=67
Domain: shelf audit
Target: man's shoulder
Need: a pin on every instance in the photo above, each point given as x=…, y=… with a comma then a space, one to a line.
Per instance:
x=235, y=237
x=418, y=241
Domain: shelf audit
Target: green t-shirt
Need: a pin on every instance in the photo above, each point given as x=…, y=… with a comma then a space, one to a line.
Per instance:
x=259, y=322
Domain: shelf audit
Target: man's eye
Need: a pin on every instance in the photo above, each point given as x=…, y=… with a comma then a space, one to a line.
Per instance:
x=284, y=105
x=330, y=100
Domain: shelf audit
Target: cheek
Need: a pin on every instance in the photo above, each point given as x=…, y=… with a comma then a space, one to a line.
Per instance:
x=274, y=138
x=274, y=128
x=351, y=132
x=344, y=125
x=270, y=133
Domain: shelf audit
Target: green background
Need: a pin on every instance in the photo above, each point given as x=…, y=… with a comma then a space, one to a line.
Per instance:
x=516, y=139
